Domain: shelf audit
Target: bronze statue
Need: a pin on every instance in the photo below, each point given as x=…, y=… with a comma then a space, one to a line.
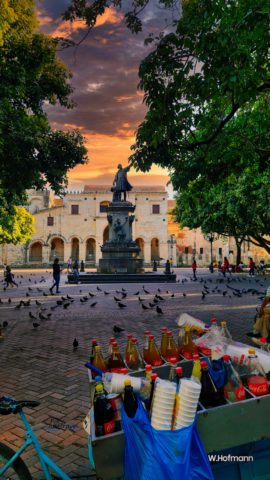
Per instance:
x=121, y=184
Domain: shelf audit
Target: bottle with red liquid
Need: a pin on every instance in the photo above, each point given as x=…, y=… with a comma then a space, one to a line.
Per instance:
x=103, y=413
x=163, y=342
x=233, y=389
x=154, y=357
x=146, y=345
x=172, y=352
x=189, y=348
x=256, y=377
x=210, y=396
x=115, y=361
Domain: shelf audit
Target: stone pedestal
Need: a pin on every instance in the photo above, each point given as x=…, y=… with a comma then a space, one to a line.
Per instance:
x=120, y=252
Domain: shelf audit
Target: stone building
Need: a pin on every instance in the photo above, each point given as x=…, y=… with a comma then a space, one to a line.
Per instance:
x=76, y=226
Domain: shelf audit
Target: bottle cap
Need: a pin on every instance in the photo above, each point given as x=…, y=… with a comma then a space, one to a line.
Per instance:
x=98, y=378
x=169, y=333
x=129, y=336
x=213, y=320
x=263, y=340
x=115, y=344
x=223, y=324
x=124, y=371
x=99, y=388
x=164, y=329
x=127, y=382
x=151, y=337
x=179, y=370
x=147, y=332
x=148, y=368
x=196, y=356
x=173, y=360
x=97, y=349
x=204, y=364
x=154, y=376
x=94, y=342
x=206, y=326
x=112, y=339
x=134, y=340
x=226, y=358
x=251, y=351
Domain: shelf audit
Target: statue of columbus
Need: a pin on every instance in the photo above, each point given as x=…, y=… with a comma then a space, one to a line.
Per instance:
x=121, y=184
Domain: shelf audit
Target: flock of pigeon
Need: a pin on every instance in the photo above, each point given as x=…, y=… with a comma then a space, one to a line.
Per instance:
x=147, y=300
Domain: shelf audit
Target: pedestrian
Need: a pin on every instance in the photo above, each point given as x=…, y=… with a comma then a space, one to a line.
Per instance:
x=194, y=268
x=75, y=269
x=225, y=266
x=261, y=326
x=9, y=277
x=56, y=275
x=251, y=266
x=69, y=265
x=219, y=266
x=211, y=267
x=82, y=266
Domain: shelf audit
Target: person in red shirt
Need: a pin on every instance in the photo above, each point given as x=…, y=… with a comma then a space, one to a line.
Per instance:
x=251, y=266
x=194, y=268
x=225, y=266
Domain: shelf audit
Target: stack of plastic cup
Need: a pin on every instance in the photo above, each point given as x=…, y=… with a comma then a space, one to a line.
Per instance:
x=115, y=382
x=163, y=405
x=189, y=397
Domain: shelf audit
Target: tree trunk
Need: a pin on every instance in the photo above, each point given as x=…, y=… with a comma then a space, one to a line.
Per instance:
x=238, y=253
x=261, y=242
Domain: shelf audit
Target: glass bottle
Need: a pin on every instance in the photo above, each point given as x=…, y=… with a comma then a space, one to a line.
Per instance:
x=137, y=352
x=92, y=353
x=214, y=328
x=256, y=377
x=115, y=361
x=146, y=345
x=98, y=361
x=181, y=338
x=196, y=370
x=210, y=396
x=224, y=331
x=172, y=373
x=148, y=371
x=132, y=355
x=163, y=342
x=128, y=351
x=153, y=354
x=130, y=401
x=103, y=413
x=172, y=352
x=233, y=389
x=189, y=348
x=111, y=341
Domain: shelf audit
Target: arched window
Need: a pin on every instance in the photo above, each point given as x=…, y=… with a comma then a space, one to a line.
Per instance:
x=155, y=249
x=140, y=243
x=75, y=249
x=90, y=255
x=106, y=234
x=57, y=249
x=35, y=253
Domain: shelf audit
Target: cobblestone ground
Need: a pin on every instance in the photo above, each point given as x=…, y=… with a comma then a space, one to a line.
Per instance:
x=40, y=363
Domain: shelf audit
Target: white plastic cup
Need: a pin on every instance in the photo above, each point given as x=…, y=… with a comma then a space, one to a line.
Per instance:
x=161, y=425
x=190, y=385
x=118, y=382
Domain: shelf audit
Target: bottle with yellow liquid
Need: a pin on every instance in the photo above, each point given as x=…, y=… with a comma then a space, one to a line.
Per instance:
x=189, y=348
x=163, y=342
x=196, y=371
x=98, y=361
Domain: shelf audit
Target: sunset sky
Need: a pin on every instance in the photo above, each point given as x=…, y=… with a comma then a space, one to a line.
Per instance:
x=109, y=107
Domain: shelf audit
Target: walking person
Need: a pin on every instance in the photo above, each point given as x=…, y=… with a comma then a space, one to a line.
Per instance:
x=9, y=278
x=69, y=265
x=75, y=270
x=56, y=275
x=225, y=266
x=251, y=266
x=194, y=268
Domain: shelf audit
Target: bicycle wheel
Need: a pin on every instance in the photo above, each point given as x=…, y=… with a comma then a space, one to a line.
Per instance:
x=18, y=470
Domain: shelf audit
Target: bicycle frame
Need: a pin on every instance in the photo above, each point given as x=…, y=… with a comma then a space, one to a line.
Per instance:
x=44, y=460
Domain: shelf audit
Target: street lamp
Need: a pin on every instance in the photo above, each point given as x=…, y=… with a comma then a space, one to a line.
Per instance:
x=211, y=237
x=171, y=242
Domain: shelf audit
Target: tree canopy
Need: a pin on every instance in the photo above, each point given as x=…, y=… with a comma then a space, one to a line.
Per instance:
x=32, y=154
x=16, y=228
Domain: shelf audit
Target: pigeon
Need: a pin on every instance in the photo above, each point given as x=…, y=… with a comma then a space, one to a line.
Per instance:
x=32, y=316
x=18, y=306
x=155, y=300
x=172, y=295
x=124, y=295
x=45, y=294
x=9, y=300
x=66, y=305
x=159, y=290
x=117, y=329
x=59, y=302
x=30, y=289
x=41, y=316
x=64, y=299
x=184, y=294
x=159, y=297
x=140, y=299
x=151, y=305
x=49, y=316
x=75, y=344
x=144, y=307
x=117, y=299
x=82, y=301
x=27, y=294
x=159, y=310
x=39, y=289
x=38, y=303
x=121, y=305
x=224, y=293
x=27, y=304
x=106, y=293
x=91, y=294
x=5, y=324
x=93, y=304
x=99, y=289
x=36, y=325
x=145, y=291
x=85, y=299
x=203, y=295
x=69, y=298
x=137, y=293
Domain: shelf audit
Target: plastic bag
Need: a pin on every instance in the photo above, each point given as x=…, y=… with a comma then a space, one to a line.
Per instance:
x=162, y=455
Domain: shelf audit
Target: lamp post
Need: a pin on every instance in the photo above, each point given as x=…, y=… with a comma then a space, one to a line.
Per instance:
x=171, y=242
x=211, y=237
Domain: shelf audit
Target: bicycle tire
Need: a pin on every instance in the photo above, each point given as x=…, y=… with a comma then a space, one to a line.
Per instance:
x=18, y=466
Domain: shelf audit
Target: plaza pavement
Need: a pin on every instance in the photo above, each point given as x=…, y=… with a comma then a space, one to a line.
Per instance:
x=40, y=364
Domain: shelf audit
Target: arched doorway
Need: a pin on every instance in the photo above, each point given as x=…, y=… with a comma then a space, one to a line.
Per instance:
x=57, y=249
x=75, y=249
x=90, y=255
x=106, y=234
x=155, y=249
x=140, y=243
x=35, y=253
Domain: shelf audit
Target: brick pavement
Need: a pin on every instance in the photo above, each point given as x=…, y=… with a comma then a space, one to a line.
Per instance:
x=40, y=364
